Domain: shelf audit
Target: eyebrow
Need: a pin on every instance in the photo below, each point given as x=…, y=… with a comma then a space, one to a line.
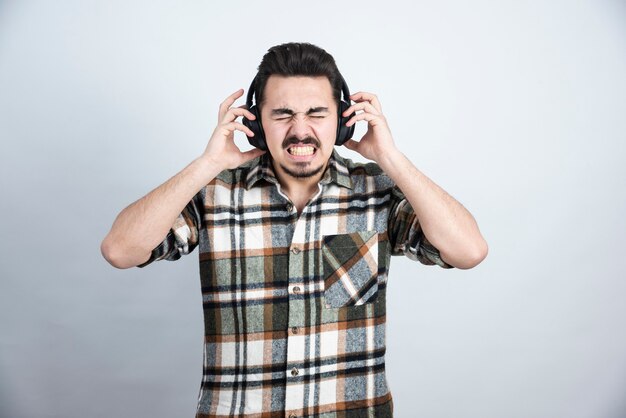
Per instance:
x=286, y=111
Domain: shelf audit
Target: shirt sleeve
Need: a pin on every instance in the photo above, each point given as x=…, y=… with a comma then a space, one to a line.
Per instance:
x=405, y=233
x=182, y=237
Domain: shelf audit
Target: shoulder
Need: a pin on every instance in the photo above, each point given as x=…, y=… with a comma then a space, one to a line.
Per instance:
x=364, y=172
x=237, y=177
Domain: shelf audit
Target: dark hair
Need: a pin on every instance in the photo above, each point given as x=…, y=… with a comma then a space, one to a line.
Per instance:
x=297, y=59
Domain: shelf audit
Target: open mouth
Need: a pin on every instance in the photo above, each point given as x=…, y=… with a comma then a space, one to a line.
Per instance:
x=301, y=150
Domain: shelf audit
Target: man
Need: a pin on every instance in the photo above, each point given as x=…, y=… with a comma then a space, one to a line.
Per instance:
x=295, y=243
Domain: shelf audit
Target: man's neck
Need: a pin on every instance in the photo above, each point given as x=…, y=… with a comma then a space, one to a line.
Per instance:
x=299, y=189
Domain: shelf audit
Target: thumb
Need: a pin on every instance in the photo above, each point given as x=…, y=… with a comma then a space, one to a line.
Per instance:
x=351, y=144
x=252, y=154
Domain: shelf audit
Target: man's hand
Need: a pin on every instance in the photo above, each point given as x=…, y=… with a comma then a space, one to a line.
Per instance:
x=221, y=150
x=445, y=222
x=141, y=226
x=377, y=142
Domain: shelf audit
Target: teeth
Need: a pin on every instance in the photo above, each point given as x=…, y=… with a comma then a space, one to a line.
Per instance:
x=301, y=150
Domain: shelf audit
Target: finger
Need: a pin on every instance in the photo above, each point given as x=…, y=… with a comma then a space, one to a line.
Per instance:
x=362, y=116
x=234, y=112
x=228, y=102
x=372, y=98
x=236, y=126
x=365, y=106
x=363, y=95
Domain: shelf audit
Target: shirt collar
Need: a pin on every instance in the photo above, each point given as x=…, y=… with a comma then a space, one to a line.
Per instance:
x=336, y=172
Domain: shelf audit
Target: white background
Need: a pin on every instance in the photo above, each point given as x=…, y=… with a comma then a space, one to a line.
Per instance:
x=515, y=108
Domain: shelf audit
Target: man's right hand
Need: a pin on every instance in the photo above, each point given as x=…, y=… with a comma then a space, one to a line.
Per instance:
x=221, y=150
x=140, y=227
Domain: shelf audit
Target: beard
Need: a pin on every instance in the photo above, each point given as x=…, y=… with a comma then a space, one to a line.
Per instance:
x=303, y=169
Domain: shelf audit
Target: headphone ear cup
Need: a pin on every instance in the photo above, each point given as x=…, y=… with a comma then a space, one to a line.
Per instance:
x=258, y=140
x=344, y=132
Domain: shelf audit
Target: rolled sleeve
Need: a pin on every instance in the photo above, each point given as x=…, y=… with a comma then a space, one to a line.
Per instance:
x=406, y=235
x=182, y=238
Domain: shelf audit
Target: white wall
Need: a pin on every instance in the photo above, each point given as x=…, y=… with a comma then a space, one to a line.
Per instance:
x=516, y=108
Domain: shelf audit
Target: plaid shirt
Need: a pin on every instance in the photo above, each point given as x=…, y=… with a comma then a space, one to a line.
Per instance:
x=294, y=304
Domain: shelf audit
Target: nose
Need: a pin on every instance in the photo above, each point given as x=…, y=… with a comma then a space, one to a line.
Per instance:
x=300, y=127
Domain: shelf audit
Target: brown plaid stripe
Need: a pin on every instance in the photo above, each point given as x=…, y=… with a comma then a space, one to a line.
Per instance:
x=294, y=304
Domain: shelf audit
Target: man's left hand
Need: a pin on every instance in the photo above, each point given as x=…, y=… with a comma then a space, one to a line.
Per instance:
x=377, y=141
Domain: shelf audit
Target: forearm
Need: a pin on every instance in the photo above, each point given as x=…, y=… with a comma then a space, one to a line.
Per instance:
x=445, y=222
x=141, y=226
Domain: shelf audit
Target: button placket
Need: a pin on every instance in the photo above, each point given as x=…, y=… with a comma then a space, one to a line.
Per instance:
x=296, y=311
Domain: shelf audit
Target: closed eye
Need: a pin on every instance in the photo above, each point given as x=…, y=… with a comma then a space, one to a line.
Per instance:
x=285, y=114
x=289, y=117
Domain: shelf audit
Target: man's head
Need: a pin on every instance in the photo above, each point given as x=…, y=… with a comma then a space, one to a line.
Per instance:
x=298, y=94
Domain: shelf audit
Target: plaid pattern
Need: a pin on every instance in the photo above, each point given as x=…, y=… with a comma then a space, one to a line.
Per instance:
x=294, y=305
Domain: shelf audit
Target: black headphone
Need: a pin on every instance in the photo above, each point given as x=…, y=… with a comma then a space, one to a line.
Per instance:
x=258, y=140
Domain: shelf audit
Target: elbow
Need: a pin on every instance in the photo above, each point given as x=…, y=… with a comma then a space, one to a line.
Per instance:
x=475, y=256
x=470, y=256
x=114, y=254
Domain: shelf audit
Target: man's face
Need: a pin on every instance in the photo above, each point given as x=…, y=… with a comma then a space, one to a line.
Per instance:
x=299, y=116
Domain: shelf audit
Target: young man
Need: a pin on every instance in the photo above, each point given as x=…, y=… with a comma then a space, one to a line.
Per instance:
x=295, y=243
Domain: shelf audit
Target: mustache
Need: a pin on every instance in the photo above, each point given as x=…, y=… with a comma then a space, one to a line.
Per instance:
x=292, y=140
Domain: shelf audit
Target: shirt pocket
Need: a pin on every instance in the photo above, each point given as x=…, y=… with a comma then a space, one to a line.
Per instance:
x=350, y=267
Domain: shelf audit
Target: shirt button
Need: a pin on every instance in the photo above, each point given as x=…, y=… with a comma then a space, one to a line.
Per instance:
x=294, y=330
x=294, y=371
x=289, y=207
x=296, y=289
x=295, y=250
